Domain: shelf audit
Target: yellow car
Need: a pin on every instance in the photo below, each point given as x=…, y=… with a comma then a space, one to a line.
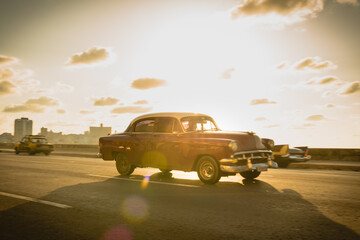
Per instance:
x=34, y=144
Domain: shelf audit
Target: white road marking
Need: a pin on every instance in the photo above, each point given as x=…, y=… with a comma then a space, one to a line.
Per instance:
x=54, y=204
x=138, y=180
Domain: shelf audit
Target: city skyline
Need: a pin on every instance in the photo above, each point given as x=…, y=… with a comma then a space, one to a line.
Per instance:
x=289, y=72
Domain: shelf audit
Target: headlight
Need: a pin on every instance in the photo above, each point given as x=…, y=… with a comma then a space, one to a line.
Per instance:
x=233, y=146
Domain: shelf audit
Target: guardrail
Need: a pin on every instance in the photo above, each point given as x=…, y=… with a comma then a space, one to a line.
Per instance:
x=333, y=154
x=63, y=147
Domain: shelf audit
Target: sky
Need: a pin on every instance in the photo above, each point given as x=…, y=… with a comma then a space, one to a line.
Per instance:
x=287, y=70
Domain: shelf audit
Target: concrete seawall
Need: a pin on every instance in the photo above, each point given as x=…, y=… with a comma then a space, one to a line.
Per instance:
x=332, y=154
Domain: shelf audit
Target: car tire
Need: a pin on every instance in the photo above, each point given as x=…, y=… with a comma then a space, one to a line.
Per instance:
x=250, y=174
x=47, y=153
x=208, y=170
x=31, y=152
x=123, y=165
x=17, y=151
x=166, y=173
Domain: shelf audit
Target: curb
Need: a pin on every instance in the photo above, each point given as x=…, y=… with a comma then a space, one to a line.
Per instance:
x=324, y=166
x=305, y=165
x=57, y=153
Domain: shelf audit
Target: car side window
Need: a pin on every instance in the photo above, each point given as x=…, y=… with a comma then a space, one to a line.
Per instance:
x=145, y=126
x=164, y=125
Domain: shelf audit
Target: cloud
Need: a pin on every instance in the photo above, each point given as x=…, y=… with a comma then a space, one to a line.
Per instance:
x=317, y=117
x=109, y=101
x=261, y=101
x=6, y=73
x=313, y=63
x=351, y=88
x=5, y=59
x=63, y=87
x=6, y=87
x=227, y=73
x=351, y=2
x=304, y=126
x=86, y=111
x=94, y=55
x=323, y=80
x=35, y=105
x=330, y=105
x=23, y=108
x=61, y=111
x=141, y=102
x=260, y=119
x=281, y=66
x=146, y=83
x=272, y=126
x=131, y=109
x=278, y=11
x=43, y=101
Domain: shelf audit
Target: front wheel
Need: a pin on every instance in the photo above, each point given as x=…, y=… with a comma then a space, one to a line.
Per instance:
x=208, y=170
x=123, y=165
x=250, y=174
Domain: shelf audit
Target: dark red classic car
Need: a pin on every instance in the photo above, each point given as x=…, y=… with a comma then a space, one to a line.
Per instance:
x=186, y=142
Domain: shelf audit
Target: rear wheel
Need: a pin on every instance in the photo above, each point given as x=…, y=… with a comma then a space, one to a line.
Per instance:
x=250, y=174
x=166, y=172
x=17, y=151
x=208, y=170
x=123, y=165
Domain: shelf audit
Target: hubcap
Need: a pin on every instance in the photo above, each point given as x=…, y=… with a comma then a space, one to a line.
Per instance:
x=123, y=164
x=207, y=170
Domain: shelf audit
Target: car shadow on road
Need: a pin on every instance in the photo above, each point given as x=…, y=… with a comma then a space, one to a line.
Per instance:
x=119, y=209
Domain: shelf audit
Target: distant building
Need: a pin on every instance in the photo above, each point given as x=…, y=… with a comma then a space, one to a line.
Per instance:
x=43, y=131
x=22, y=127
x=99, y=131
x=6, y=138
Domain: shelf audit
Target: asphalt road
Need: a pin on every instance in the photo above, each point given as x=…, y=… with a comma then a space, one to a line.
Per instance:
x=57, y=197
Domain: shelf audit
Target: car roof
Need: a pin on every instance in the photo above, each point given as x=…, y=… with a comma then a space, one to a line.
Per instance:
x=177, y=115
x=35, y=136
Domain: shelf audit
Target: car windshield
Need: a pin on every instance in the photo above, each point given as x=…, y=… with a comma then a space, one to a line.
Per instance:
x=198, y=123
x=38, y=140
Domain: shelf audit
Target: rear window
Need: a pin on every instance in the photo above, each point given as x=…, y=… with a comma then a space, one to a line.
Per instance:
x=38, y=140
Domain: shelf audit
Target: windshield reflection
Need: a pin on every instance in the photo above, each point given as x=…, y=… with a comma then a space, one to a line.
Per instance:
x=198, y=124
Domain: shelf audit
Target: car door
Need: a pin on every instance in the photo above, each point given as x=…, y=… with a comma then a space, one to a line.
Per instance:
x=166, y=144
x=139, y=145
x=24, y=144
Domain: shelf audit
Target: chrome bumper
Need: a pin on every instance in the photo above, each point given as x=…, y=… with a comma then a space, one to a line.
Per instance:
x=291, y=158
x=260, y=167
x=231, y=164
x=299, y=159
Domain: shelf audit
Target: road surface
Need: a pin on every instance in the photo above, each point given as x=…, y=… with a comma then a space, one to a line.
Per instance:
x=57, y=197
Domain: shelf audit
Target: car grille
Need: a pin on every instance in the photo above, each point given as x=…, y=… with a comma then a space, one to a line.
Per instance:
x=260, y=156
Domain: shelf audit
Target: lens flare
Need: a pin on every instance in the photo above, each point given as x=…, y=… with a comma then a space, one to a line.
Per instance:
x=118, y=232
x=145, y=182
x=135, y=209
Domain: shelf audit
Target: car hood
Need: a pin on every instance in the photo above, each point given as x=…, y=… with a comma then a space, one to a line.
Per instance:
x=246, y=140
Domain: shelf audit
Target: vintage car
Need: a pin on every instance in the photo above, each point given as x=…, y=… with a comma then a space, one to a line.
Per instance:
x=34, y=144
x=186, y=142
x=284, y=155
